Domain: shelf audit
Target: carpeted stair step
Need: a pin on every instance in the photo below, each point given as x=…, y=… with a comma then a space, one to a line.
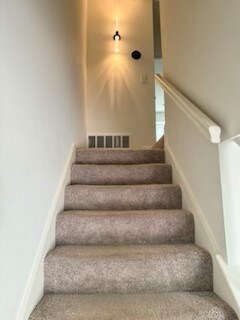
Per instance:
x=137, y=197
x=127, y=269
x=124, y=227
x=86, y=156
x=162, y=306
x=121, y=174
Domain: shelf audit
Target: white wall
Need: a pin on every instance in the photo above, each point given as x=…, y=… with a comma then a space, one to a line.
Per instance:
x=41, y=115
x=159, y=100
x=201, y=56
x=159, y=92
x=116, y=100
x=230, y=176
x=199, y=163
x=203, y=35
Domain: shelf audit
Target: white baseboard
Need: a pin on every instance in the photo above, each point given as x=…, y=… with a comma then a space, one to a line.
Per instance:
x=228, y=288
x=204, y=235
x=35, y=285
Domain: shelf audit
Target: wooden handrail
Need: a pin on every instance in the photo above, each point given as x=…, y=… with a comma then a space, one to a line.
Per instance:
x=205, y=125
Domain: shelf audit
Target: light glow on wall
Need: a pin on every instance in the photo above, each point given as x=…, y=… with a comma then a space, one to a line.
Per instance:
x=116, y=100
x=116, y=37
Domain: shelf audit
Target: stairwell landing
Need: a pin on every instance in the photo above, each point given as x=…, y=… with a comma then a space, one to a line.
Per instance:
x=125, y=248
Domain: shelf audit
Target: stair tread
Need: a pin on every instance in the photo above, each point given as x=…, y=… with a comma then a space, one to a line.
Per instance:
x=140, y=263
x=121, y=165
x=126, y=252
x=121, y=174
x=125, y=187
x=164, y=306
x=125, y=227
x=123, y=197
x=126, y=213
x=119, y=156
x=134, y=268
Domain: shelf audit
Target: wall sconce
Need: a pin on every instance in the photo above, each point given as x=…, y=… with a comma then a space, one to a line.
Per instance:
x=116, y=39
x=117, y=36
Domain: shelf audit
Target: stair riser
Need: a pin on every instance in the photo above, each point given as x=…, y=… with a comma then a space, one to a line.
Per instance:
x=121, y=175
x=114, y=274
x=120, y=156
x=127, y=230
x=122, y=198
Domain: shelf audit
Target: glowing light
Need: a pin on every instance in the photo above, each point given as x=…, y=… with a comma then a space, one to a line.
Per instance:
x=116, y=37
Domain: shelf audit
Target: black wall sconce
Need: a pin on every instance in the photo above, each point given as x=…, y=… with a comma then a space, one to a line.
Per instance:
x=117, y=36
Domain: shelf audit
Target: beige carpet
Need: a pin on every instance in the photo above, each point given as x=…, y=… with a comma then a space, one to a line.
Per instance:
x=164, y=306
x=125, y=248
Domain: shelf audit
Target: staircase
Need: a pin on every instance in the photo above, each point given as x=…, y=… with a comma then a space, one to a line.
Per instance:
x=125, y=248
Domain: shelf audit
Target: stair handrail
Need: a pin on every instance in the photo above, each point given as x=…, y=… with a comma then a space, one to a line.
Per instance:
x=205, y=125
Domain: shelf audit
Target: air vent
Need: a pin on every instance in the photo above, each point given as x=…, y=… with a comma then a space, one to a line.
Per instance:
x=100, y=141
x=125, y=141
x=91, y=142
x=109, y=141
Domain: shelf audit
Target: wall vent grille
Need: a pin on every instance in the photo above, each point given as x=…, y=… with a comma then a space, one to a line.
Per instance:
x=109, y=141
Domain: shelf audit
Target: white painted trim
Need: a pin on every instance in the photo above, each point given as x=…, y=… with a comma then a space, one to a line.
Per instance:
x=205, y=125
x=34, y=288
x=223, y=284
